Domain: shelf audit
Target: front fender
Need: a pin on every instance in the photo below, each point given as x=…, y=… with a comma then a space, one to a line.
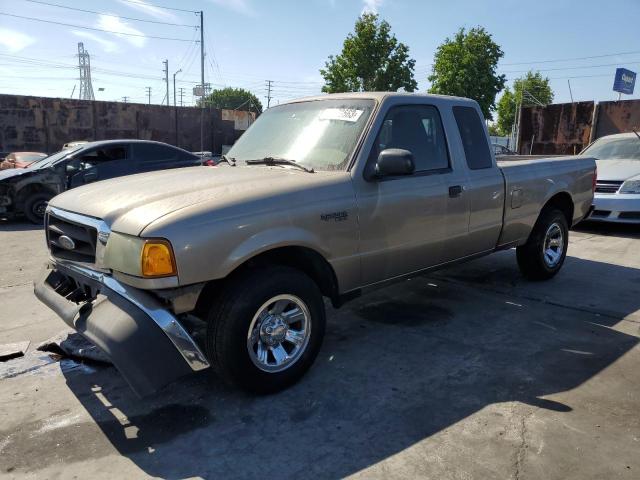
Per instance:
x=270, y=239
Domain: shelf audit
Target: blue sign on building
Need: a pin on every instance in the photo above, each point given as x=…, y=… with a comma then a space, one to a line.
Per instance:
x=625, y=81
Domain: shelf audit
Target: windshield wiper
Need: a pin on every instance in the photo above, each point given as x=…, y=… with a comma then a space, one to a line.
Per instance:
x=637, y=134
x=230, y=160
x=278, y=161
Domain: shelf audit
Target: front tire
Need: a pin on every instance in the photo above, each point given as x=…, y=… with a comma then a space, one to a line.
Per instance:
x=35, y=206
x=266, y=329
x=543, y=255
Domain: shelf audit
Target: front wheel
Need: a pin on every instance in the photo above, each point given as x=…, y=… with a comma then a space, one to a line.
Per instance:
x=35, y=207
x=544, y=253
x=266, y=329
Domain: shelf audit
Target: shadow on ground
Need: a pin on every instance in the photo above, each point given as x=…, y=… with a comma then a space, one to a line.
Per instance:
x=609, y=229
x=397, y=366
x=19, y=225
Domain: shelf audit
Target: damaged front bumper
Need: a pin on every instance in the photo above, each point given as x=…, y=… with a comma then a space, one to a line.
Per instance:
x=145, y=342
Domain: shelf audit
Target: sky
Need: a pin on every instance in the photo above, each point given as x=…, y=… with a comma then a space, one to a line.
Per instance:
x=250, y=41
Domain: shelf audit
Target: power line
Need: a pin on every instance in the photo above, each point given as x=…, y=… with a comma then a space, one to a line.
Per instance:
x=142, y=35
x=109, y=14
x=584, y=67
x=147, y=4
x=573, y=58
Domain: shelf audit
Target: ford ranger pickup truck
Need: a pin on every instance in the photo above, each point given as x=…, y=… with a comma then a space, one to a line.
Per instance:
x=226, y=268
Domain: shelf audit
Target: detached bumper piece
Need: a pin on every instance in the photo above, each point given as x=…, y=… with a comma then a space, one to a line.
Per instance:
x=144, y=341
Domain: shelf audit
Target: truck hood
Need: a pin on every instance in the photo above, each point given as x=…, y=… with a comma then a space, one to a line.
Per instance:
x=617, y=169
x=129, y=204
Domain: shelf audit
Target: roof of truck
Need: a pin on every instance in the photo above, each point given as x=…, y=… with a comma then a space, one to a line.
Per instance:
x=376, y=96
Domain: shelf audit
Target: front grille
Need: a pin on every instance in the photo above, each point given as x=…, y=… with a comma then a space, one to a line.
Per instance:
x=83, y=238
x=608, y=186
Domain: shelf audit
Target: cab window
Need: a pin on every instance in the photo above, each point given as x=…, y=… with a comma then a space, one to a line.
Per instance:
x=474, y=139
x=418, y=129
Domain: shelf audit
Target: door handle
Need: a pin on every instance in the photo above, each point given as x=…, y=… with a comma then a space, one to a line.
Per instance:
x=455, y=191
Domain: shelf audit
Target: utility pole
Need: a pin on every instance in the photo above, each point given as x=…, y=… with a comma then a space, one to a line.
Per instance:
x=570, y=92
x=175, y=105
x=149, y=94
x=125, y=99
x=202, y=80
x=269, y=82
x=166, y=79
x=175, y=99
x=181, y=94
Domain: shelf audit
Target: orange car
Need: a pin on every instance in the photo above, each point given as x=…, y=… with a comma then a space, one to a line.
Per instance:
x=21, y=159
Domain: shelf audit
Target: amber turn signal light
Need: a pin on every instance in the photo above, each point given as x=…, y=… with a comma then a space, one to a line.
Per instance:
x=157, y=259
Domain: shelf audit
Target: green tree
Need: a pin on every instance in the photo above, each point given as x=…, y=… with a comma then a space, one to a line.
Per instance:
x=493, y=130
x=372, y=59
x=233, y=99
x=465, y=66
x=530, y=89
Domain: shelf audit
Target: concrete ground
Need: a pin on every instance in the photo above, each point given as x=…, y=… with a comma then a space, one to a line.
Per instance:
x=469, y=372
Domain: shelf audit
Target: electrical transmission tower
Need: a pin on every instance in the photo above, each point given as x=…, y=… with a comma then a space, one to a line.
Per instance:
x=84, y=63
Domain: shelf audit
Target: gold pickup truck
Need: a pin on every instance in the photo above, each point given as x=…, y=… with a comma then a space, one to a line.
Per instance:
x=226, y=267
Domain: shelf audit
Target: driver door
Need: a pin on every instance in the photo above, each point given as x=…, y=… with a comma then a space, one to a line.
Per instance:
x=411, y=222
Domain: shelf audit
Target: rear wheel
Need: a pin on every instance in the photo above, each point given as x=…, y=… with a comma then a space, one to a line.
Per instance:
x=35, y=207
x=544, y=253
x=266, y=329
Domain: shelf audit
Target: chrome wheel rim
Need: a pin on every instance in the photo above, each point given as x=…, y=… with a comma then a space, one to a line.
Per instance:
x=279, y=333
x=553, y=246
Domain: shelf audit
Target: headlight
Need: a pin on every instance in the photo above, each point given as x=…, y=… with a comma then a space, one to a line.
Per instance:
x=140, y=257
x=630, y=186
x=157, y=259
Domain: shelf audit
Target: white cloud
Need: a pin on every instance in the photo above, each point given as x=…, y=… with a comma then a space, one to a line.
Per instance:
x=107, y=45
x=239, y=6
x=152, y=10
x=14, y=41
x=116, y=25
x=371, y=6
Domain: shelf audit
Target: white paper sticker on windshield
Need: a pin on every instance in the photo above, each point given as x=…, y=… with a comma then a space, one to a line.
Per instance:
x=343, y=114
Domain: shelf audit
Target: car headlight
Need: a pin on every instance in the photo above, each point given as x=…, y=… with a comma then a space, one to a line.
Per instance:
x=140, y=257
x=630, y=186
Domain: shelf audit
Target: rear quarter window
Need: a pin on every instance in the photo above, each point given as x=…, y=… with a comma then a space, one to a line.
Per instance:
x=474, y=140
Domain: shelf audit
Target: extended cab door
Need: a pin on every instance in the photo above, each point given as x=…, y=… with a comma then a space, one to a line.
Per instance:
x=100, y=163
x=410, y=222
x=485, y=185
x=157, y=156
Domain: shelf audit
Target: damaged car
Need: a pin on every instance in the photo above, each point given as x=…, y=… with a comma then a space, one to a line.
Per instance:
x=27, y=191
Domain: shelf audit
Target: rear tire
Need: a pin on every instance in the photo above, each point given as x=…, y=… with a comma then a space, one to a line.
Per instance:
x=35, y=206
x=544, y=253
x=266, y=328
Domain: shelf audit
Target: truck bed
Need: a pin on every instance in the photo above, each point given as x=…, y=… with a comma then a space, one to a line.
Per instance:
x=528, y=186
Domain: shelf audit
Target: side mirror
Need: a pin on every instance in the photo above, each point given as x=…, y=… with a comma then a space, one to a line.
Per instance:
x=71, y=168
x=394, y=161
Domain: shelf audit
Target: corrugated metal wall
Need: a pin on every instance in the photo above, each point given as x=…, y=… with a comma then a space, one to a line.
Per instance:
x=565, y=128
x=617, y=117
x=558, y=129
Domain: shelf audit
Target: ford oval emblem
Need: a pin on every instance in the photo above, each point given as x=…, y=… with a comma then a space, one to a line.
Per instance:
x=66, y=242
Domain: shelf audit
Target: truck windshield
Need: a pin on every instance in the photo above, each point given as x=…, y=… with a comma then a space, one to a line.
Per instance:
x=615, y=149
x=319, y=134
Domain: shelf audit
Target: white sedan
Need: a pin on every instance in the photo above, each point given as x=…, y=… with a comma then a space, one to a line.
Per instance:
x=617, y=196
